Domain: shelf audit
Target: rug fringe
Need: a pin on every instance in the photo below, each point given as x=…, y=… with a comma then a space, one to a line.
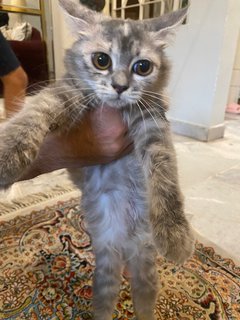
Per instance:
x=21, y=203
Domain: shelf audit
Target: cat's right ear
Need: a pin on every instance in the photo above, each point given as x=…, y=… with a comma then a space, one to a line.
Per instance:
x=79, y=18
x=164, y=27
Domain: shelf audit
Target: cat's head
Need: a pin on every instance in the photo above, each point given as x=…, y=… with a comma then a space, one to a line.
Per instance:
x=121, y=61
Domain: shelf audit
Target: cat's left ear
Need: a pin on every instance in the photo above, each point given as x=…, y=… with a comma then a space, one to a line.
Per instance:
x=166, y=25
x=79, y=18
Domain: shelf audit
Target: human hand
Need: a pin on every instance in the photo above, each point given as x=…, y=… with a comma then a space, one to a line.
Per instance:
x=100, y=138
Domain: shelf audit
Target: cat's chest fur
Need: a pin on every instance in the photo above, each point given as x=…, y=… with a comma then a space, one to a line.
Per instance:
x=114, y=199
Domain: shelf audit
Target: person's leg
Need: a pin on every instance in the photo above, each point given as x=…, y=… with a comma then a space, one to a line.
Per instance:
x=14, y=90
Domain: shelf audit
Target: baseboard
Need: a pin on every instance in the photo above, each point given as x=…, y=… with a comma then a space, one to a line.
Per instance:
x=196, y=131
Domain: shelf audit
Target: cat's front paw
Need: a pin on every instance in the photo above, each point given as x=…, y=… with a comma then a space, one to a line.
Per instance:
x=11, y=166
x=175, y=243
x=14, y=159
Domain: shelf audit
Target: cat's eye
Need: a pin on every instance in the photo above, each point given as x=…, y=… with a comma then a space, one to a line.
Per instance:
x=142, y=67
x=101, y=60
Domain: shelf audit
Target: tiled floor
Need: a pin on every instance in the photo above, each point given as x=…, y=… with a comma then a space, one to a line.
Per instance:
x=210, y=180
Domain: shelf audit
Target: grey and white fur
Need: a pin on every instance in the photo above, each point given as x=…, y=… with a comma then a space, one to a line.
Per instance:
x=133, y=205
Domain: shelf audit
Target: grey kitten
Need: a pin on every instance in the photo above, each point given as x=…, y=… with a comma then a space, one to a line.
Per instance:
x=134, y=204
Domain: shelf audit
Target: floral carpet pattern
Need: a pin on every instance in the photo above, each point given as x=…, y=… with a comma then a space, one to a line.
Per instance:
x=46, y=268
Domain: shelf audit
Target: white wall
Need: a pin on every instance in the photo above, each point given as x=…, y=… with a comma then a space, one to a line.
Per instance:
x=62, y=38
x=203, y=57
x=234, y=93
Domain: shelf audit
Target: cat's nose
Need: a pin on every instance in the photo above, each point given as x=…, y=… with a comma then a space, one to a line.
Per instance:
x=119, y=88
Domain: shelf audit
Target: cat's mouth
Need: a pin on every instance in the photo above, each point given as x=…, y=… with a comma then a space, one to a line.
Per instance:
x=119, y=102
x=116, y=103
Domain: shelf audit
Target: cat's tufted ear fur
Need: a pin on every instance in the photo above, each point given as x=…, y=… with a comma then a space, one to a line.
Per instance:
x=165, y=26
x=79, y=18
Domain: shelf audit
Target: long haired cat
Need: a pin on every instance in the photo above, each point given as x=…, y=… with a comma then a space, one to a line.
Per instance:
x=134, y=204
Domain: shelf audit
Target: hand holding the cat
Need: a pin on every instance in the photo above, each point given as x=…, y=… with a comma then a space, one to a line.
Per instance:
x=100, y=138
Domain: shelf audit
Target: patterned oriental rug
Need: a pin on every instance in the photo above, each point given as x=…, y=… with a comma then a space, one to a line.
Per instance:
x=46, y=268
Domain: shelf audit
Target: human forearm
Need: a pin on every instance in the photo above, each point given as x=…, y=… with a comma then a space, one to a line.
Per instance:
x=22, y=135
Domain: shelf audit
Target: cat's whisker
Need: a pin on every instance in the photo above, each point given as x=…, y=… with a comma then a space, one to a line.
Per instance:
x=80, y=95
x=66, y=90
x=159, y=115
x=74, y=88
x=163, y=98
x=79, y=103
x=70, y=91
x=77, y=117
x=155, y=93
x=19, y=100
x=155, y=106
x=156, y=113
x=85, y=106
x=49, y=81
x=160, y=99
x=69, y=106
x=143, y=118
x=155, y=110
x=149, y=113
